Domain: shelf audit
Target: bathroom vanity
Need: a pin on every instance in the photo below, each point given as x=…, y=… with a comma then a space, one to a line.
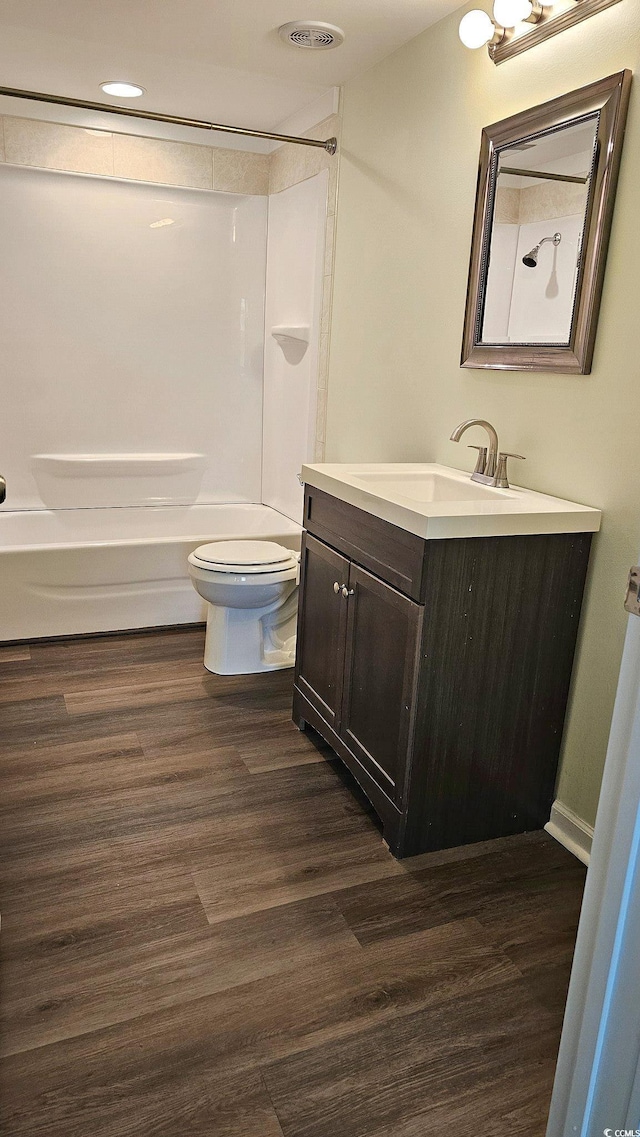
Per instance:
x=436, y=632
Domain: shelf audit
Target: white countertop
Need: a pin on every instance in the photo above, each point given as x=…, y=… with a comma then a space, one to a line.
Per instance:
x=431, y=501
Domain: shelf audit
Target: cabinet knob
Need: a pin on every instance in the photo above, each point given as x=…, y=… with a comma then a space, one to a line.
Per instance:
x=336, y=587
x=346, y=592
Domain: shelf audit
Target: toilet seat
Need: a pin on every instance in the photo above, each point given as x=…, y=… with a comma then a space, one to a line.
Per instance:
x=244, y=557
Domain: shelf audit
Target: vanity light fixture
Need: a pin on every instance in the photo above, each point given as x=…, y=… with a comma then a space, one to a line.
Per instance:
x=518, y=25
x=509, y=13
x=121, y=90
x=478, y=29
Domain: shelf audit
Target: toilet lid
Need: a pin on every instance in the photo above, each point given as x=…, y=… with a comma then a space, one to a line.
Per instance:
x=247, y=556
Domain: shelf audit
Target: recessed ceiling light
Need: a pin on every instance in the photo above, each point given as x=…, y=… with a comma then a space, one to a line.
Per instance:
x=122, y=90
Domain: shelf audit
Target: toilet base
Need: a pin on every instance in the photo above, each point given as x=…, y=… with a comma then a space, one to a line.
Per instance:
x=245, y=641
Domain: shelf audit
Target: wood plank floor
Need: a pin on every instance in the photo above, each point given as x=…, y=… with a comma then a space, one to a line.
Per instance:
x=202, y=932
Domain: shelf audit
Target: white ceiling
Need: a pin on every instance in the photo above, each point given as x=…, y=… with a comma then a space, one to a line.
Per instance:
x=213, y=59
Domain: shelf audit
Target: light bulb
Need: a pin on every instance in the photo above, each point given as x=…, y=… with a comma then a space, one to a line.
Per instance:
x=512, y=12
x=476, y=29
x=122, y=90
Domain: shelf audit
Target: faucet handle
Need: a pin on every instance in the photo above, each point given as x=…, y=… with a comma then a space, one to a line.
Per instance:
x=501, y=481
x=481, y=464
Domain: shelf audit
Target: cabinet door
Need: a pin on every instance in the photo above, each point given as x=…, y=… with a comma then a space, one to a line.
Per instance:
x=322, y=618
x=380, y=668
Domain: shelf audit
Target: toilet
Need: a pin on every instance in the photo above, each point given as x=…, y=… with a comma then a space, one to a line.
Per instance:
x=251, y=588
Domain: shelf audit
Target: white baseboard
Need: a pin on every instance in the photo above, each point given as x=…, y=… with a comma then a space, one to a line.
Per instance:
x=571, y=831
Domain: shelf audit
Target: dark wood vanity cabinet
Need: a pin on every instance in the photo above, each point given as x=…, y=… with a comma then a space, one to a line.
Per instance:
x=321, y=629
x=357, y=660
x=438, y=670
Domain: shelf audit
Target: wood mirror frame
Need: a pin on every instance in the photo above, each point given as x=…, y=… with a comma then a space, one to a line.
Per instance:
x=609, y=99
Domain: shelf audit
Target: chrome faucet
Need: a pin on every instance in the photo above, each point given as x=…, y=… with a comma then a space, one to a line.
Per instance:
x=491, y=467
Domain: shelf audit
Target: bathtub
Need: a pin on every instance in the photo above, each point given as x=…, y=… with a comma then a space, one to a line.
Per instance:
x=67, y=572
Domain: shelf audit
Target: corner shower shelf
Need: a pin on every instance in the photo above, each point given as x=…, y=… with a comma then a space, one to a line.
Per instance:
x=300, y=333
x=293, y=339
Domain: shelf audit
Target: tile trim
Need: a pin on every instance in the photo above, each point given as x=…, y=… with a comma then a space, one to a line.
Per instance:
x=57, y=133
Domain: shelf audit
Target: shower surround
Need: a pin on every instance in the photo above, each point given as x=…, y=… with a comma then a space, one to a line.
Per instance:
x=132, y=315
x=132, y=319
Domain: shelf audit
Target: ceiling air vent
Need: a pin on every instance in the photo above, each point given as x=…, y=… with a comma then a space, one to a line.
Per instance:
x=312, y=34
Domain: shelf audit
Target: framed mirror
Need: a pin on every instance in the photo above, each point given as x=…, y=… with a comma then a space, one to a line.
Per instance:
x=544, y=204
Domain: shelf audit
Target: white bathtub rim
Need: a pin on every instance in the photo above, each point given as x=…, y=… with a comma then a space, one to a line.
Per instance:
x=283, y=527
x=136, y=542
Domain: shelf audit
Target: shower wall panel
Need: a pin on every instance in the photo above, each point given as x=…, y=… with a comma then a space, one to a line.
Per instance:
x=131, y=342
x=295, y=263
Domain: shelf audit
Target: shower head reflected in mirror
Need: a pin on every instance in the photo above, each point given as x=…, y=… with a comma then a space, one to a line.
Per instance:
x=531, y=259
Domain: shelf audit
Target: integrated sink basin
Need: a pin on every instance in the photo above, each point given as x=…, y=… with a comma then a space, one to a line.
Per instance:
x=421, y=486
x=438, y=502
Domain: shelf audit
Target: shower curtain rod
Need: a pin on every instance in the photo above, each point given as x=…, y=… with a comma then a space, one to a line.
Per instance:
x=330, y=144
x=541, y=174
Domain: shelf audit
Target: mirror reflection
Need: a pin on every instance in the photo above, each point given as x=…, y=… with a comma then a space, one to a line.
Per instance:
x=540, y=206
